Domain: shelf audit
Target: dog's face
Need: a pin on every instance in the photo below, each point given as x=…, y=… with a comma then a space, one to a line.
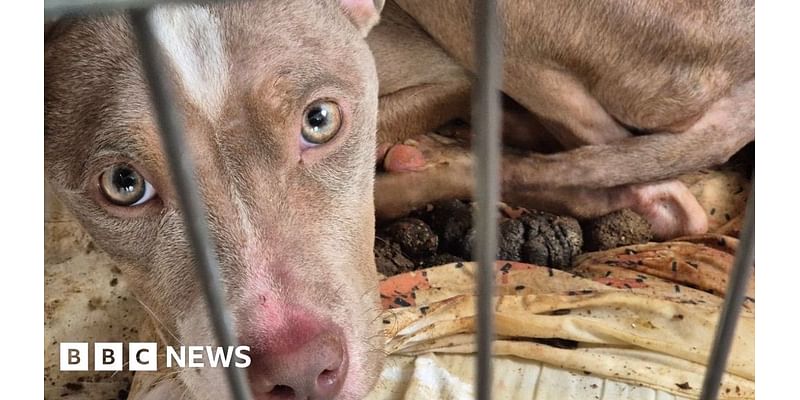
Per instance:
x=280, y=102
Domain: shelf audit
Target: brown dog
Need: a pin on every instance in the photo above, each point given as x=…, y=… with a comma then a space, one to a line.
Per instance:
x=281, y=100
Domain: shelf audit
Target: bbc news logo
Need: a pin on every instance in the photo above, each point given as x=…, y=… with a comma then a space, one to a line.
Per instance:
x=109, y=356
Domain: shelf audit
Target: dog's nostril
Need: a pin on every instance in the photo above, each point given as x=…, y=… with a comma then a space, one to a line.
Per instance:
x=282, y=392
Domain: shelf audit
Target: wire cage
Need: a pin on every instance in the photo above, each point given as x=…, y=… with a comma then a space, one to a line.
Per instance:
x=486, y=118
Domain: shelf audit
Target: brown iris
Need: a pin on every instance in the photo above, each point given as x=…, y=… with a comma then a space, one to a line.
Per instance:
x=321, y=121
x=122, y=185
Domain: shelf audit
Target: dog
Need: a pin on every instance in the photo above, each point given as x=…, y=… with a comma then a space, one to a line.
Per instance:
x=285, y=104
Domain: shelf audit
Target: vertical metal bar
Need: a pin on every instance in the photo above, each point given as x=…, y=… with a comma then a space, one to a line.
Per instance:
x=194, y=212
x=486, y=148
x=737, y=286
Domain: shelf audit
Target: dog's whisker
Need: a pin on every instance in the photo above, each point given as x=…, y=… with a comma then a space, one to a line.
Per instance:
x=185, y=394
x=155, y=317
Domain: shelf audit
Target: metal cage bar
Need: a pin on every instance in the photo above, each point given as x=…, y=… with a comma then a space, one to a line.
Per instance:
x=486, y=147
x=488, y=56
x=184, y=175
x=732, y=307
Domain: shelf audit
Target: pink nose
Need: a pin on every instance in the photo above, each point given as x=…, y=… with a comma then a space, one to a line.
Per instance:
x=309, y=363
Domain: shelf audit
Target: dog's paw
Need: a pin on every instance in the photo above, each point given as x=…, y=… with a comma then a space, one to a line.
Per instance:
x=420, y=171
x=403, y=158
x=422, y=152
x=671, y=209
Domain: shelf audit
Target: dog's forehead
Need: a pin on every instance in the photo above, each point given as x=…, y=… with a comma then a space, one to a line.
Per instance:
x=192, y=39
x=213, y=52
x=217, y=52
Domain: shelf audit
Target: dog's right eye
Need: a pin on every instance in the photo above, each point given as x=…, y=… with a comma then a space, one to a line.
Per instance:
x=122, y=185
x=321, y=121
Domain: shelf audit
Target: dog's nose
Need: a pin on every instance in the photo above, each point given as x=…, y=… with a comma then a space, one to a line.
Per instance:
x=314, y=371
x=313, y=366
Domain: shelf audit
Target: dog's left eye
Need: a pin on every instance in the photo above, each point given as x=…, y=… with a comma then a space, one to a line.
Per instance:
x=122, y=185
x=321, y=122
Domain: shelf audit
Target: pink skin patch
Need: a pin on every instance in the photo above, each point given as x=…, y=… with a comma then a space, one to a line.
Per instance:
x=403, y=158
x=282, y=329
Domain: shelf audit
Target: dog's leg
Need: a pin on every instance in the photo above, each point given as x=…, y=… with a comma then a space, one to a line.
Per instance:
x=668, y=205
x=561, y=64
x=564, y=106
x=593, y=180
x=549, y=182
x=628, y=165
x=418, y=109
x=421, y=87
x=441, y=173
x=727, y=126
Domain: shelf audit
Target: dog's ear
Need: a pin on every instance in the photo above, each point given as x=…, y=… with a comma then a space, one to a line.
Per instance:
x=364, y=14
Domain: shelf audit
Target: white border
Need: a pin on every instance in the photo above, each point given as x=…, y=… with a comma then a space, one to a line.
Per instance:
x=22, y=204
x=777, y=152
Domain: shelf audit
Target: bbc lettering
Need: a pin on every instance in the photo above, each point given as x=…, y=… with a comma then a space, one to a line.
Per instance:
x=144, y=356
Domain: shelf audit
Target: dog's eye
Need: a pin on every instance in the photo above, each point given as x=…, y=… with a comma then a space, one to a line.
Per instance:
x=321, y=122
x=124, y=186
